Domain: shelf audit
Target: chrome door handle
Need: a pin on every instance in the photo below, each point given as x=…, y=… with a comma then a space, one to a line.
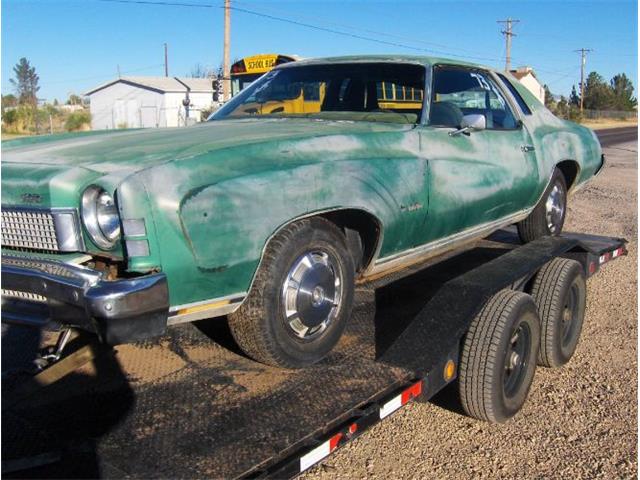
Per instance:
x=527, y=148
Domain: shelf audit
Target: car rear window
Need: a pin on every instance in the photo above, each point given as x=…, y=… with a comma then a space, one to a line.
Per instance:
x=521, y=103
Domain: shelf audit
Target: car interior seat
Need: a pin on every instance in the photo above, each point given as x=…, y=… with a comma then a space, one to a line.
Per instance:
x=445, y=114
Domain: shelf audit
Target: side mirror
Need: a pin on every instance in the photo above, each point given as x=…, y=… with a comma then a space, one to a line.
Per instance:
x=475, y=121
x=471, y=123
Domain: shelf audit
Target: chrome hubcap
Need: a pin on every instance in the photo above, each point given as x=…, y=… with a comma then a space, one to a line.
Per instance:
x=311, y=294
x=555, y=208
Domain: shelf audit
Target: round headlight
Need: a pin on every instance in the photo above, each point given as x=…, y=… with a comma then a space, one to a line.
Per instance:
x=100, y=217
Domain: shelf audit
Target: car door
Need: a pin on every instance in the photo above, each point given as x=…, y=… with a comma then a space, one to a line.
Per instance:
x=477, y=177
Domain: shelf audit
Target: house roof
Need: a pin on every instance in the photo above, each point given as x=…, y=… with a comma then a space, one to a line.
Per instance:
x=161, y=84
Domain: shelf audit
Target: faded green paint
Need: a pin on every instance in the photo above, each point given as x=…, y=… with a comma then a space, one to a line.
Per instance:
x=213, y=194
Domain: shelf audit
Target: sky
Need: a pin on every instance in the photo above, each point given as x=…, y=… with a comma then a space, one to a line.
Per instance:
x=76, y=45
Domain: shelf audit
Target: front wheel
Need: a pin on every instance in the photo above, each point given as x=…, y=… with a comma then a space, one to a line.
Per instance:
x=548, y=216
x=301, y=296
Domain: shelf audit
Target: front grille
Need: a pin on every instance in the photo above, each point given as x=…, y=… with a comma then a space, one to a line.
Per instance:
x=29, y=229
x=33, y=297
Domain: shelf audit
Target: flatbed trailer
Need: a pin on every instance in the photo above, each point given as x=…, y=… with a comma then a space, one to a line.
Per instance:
x=191, y=405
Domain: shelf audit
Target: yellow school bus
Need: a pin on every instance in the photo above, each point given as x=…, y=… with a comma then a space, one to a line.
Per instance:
x=397, y=97
x=248, y=69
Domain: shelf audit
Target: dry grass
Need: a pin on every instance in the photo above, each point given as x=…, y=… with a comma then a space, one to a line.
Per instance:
x=604, y=123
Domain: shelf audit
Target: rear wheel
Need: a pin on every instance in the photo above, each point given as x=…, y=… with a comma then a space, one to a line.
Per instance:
x=548, y=216
x=301, y=296
x=498, y=358
x=560, y=291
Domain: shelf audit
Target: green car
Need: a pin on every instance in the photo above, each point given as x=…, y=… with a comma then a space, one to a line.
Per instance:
x=321, y=174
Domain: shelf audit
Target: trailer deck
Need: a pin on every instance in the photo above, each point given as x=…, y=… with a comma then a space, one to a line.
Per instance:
x=191, y=405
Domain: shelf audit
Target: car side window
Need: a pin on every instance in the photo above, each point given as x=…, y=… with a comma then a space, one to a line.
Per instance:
x=458, y=92
x=521, y=103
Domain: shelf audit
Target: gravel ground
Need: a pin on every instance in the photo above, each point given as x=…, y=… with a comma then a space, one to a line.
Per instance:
x=579, y=421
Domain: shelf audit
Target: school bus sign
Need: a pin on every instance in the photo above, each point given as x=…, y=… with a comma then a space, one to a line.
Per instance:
x=248, y=69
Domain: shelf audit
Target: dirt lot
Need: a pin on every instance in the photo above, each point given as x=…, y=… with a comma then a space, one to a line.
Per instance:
x=579, y=422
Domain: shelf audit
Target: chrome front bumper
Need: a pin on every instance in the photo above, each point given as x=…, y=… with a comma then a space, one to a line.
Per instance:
x=46, y=293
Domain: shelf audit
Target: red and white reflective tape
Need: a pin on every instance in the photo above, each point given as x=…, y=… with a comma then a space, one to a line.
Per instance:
x=617, y=252
x=324, y=450
x=611, y=255
x=318, y=453
x=395, y=403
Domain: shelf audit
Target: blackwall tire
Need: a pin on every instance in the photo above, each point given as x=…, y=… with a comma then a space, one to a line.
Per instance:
x=301, y=296
x=498, y=359
x=560, y=291
x=547, y=218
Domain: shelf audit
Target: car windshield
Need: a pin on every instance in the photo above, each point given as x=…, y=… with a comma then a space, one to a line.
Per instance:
x=368, y=92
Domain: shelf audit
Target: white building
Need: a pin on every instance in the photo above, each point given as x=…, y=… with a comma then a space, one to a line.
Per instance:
x=528, y=78
x=134, y=102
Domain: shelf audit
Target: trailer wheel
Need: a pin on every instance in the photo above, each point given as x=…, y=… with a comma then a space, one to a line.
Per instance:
x=560, y=291
x=498, y=358
x=301, y=296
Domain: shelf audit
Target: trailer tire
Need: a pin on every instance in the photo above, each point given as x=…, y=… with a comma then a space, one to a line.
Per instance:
x=301, y=296
x=498, y=359
x=560, y=291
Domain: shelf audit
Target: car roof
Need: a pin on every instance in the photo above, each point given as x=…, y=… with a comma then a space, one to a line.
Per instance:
x=407, y=59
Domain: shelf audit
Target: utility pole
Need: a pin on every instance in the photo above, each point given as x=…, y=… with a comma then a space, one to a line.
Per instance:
x=166, y=61
x=226, y=67
x=508, y=33
x=583, y=62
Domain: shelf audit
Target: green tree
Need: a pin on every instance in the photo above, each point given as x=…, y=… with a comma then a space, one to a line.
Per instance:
x=78, y=121
x=562, y=107
x=549, y=102
x=574, y=98
x=74, y=99
x=9, y=101
x=598, y=95
x=622, y=90
x=26, y=82
x=9, y=117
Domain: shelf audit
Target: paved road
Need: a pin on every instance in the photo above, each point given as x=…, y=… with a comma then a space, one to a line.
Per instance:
x=611, y=136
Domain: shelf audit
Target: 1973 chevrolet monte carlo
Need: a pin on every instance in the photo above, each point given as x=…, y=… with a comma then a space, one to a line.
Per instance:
x=322, y=173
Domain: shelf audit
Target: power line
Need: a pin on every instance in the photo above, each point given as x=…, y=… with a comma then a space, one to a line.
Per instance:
x=331, y=30
x=161, y=3
x=375, y=32
x=302, y=24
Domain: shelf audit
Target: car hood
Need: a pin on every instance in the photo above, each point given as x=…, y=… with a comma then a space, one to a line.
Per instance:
x=42, y=167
